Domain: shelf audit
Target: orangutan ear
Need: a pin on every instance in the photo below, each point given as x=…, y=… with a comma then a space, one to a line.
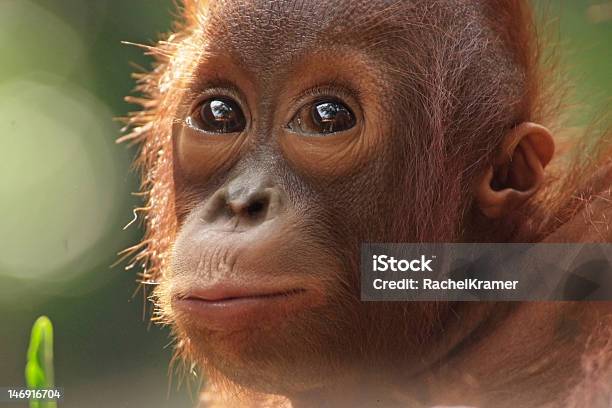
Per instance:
x=517, y=172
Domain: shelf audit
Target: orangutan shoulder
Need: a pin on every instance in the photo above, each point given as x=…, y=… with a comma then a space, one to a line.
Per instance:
x=595, y=386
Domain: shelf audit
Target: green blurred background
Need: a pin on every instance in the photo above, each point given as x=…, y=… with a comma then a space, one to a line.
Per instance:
x=65, y=187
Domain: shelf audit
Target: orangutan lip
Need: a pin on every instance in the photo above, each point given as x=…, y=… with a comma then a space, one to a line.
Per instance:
x=225, y=309
x=219, y=295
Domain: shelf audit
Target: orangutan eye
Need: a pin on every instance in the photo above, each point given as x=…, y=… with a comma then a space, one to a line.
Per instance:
x=218, y=115
x=322, y=118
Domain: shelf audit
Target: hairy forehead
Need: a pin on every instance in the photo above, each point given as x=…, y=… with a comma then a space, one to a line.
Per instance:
x=264, y=30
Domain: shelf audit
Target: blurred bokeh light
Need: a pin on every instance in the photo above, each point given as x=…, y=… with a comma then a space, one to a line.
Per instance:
x=62, y=194
x=23, y=23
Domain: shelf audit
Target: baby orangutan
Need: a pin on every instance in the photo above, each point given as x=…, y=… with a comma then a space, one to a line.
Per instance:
x=277, y=136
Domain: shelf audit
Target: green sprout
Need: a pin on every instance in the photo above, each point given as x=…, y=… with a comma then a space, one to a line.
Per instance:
x=39, y=368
